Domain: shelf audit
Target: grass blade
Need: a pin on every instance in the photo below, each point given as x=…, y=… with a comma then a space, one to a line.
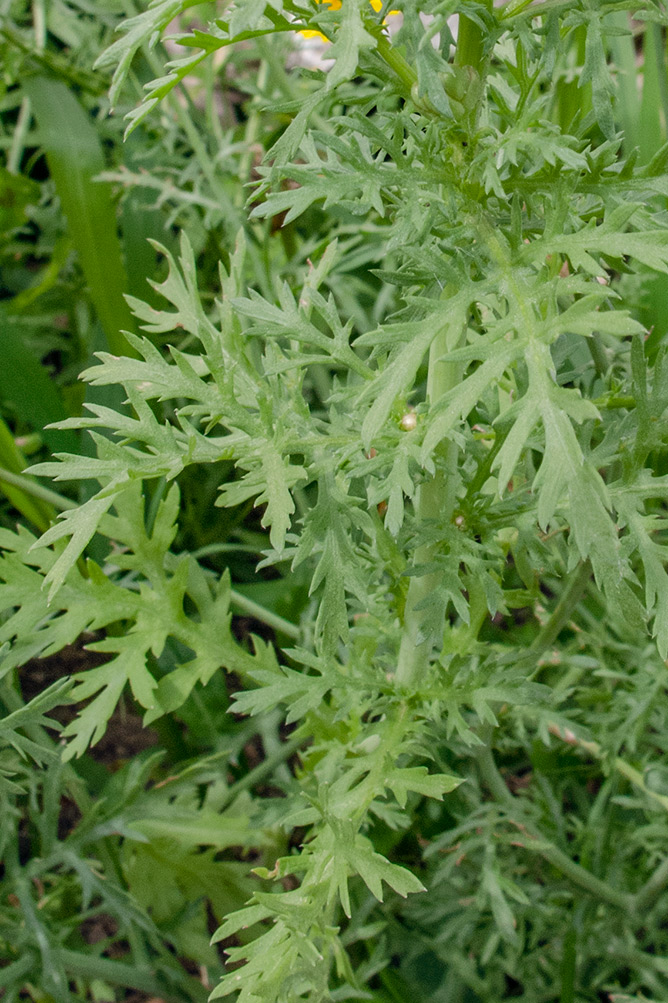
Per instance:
x=75, y=158
x=35, y=509
x=26, y=383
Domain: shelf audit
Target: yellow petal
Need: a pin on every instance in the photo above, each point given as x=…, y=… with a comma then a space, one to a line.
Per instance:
x=336, y=5
x=377, y=5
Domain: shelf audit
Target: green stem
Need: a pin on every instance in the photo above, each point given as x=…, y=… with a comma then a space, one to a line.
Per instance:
x=273, y=620
x=582, y=877
x=224, y=548
x=387, y=52
x=435, y=503
x=570, y=597
x=264, y=769
x=527, y=8
x=597, y=352
x=120, y=974
x=39, y=24
x=21, y=495
x=650, y=891
x=634, y=776
x=19, y=137
x=436, y=497
x=536, y=842
x=656, y=34
x=490, y=775
x=638, y=960
x=470, y=42
x=17, y=970
x=514, y=7
x=485, y=469
x=30, y=487
x=253, y=125
x=615, y=402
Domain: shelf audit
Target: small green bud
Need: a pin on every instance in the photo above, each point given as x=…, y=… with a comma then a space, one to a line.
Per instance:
x=463, y=87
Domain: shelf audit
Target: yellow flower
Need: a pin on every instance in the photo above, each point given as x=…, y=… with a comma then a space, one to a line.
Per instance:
x=336, y=5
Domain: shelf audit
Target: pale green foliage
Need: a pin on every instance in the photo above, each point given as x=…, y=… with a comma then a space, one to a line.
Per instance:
x=149, y=600
x=501, y=234
x=16, y=746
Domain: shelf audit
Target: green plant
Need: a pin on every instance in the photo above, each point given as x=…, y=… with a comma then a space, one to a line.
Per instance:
x=66, y=180
x=465, y=469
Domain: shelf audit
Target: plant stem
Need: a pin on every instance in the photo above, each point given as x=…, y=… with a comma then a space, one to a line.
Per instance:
x=528, y=9
x=570, y=597
x=615, y=402
x=39, y=24
x=656, y=34
x=435, y=503
x=264, y=769
x=120, y=974
x=252, y=128
x=21, y=496
x=395, y=60
x=582, y=877
x=484, y=470
x=634, y=776
x=436, y=497
x=273, y=620
x=597, y=352
x=650, y=891
x=36, y=490
x=16, y=970
x=470, y=42
x=536, y=841
x=17, y=145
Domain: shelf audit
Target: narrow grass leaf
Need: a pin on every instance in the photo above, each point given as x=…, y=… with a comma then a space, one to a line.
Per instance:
x=74, y=154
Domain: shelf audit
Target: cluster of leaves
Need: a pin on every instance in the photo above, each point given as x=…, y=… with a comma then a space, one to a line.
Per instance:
x=92, y=863
x=90, y=919
x=486, y=440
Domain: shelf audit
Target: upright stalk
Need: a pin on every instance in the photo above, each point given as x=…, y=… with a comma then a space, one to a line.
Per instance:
x=435, y=504
x=436, y=497
x=470, y=43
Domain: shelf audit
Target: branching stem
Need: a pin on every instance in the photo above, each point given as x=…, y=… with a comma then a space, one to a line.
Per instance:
x=539, y=844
